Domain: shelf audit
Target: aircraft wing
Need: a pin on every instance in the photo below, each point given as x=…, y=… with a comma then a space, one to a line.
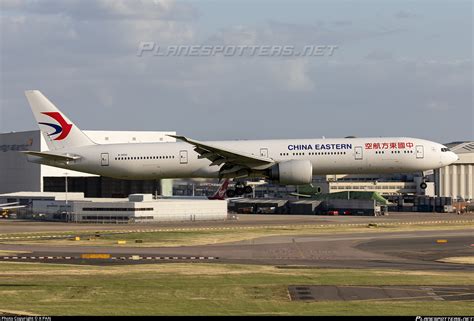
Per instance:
x=301, y=195
x=12, y=207
x=9, y=204
x=52, y=157
x=233, y=160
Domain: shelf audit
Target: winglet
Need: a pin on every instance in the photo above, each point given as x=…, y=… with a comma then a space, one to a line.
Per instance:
x=179, y=137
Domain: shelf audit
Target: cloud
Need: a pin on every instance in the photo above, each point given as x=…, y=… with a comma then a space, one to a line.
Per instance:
x=404, y=14
x=293, y=75
x=83, y=56
x=235, y=35
x=379, y=54
x=438, y=106
x=106, y=9
x=342, y=23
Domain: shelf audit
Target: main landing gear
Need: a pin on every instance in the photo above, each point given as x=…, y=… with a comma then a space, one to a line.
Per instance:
x=423, y=184
x=239, y=190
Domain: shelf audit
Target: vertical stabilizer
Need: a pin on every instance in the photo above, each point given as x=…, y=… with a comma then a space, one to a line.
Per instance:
x=58, y=131
x=220, y=194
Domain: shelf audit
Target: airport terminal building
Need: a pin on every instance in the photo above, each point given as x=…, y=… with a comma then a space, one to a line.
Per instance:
x=74, y=207
x=17, y=174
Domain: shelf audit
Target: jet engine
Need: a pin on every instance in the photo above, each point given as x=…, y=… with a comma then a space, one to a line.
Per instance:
x=293, y=172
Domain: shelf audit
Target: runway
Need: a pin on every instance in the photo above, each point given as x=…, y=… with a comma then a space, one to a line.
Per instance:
x=417, y=250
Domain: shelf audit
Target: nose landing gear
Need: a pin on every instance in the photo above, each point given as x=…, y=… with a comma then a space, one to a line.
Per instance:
x=423, y=184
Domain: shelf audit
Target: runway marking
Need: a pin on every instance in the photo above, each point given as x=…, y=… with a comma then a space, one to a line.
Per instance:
x=432, y=294
x=420, y=292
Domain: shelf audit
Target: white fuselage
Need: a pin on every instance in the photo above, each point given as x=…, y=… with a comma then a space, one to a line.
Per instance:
x=327, y=156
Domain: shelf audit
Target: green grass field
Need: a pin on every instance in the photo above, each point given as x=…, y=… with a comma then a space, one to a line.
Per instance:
x=206, y=289
x=191, y=236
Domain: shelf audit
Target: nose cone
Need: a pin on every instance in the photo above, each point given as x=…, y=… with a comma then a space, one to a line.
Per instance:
x=448, y=158
x=453, y=156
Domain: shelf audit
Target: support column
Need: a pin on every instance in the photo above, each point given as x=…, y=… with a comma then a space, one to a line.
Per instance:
x=445, y=180
x=453, y=183
x=166, y=187
x=462, y=181
x=470, y=182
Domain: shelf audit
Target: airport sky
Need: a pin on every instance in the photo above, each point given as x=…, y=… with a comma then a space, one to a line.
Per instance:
x=401, y=68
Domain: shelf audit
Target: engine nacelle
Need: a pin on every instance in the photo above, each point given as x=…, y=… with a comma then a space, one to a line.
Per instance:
x=293, y=172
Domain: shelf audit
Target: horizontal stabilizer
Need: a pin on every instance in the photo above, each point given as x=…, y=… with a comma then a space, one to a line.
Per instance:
x=4, y=208
x=52, y=157
x=300, y=195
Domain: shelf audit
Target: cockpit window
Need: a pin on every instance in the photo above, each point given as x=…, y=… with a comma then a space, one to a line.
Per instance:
x=445, y=149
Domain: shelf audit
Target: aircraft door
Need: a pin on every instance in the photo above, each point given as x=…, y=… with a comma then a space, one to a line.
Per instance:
x=183, y=156
x=264, y=152
x=419, y=151
x=104, y=159
x=358, y=153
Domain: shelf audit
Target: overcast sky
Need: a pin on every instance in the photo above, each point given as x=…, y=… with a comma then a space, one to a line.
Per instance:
x=400, y=68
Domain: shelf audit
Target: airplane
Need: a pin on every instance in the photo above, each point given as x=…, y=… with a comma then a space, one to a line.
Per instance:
x=283, y=161
x=220, y=193
x=6, y=208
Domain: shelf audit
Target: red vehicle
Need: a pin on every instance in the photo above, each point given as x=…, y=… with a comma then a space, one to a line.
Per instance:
x=333, y=212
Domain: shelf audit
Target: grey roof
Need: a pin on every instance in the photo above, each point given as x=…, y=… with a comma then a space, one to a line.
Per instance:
x=280, y=202
x=461, y=147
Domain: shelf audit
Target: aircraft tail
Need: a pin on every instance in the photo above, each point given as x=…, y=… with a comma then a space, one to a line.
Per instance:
x=220, y=193
x=58, y=131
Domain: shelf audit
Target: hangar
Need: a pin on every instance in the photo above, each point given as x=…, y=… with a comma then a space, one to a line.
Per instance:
x=457, y=179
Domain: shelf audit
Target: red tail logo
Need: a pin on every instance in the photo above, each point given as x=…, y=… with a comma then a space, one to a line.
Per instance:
x=220, y=194
x=63, y=128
